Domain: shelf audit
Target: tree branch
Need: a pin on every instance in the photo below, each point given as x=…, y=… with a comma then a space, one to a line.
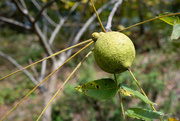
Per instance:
x=58, y=27
x=43, y=69
x=14, y=22
x=23, y=4
x=44, y=13
x=109, y=22
x=36, y=28
x=77, y=24
x=42, y=9
x=15, y=63
x=90, y=20
x=44, y=41
x=23, y=11
x=36, y=75
x=56, y=8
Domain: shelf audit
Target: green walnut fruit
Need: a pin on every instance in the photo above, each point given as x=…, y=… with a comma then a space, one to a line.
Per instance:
x=114, y=52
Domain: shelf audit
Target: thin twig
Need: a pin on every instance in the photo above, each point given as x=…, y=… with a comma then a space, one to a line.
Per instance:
x=90, y=20
x=23, y=4
x=42, y=87
x=26, y=72
x=42, y=9
x=172, y=14
x=36, y=28
x=46, y=79
x=58, y=27
x=43, y=70
x=56, y=8
x=98, y=16
x=44, y=13
x=77, y=24
x=43, y=41
x=120, y=98
x=109, y=22
x=24, y=11
x=141, y=89
x=63, y=85
x=14, y=22
x=45, y=58
x=34, y=70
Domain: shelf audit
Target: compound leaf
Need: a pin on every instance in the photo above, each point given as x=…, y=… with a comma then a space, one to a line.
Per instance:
x=169, y=19
x=143, y=114
x=127, y=91
x=101, y=89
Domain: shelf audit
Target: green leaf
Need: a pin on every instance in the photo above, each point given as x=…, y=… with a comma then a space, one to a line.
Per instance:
x=127, y=91
x=101, y=89
x=176, y=31
x=143, y=114
x=169, y=19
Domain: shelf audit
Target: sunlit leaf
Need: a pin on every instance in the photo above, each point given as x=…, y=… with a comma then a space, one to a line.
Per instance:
x=143, y=114
x=172, y=119
x=44, y=1
x=84, y=1
x=120, y=27
x=169, y=19
x=127, y=91
x=176, y=31
x=101, y=89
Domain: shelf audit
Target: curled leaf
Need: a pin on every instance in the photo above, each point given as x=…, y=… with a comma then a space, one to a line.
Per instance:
x=128, y=91
x=176, y=31
x=143, y=114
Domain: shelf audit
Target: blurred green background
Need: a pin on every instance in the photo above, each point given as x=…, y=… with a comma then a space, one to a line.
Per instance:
x=156, y=66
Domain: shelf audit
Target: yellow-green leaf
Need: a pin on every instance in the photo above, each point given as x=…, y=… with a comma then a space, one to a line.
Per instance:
x=127, y=91
x=169, y=19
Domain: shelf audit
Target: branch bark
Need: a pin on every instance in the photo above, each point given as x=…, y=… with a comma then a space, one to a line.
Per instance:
x=26, y=72
x=58, y=27
x=42, y=11
x=23, y=11
x=90, y=20
x=109, y=22
x=36, y=28
x=14, y=22
x=44, y=41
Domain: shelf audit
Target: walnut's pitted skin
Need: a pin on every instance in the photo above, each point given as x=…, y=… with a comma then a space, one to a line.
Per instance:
x=114, y=52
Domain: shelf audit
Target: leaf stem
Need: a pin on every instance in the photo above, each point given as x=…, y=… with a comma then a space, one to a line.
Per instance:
x=120, y=99
x=64, y=84
x=97, y=16
x=149, y=21
x=46, y=79
x=142, y=90
x=45, y=59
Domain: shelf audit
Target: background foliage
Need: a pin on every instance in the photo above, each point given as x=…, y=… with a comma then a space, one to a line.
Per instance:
x=156, y=65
